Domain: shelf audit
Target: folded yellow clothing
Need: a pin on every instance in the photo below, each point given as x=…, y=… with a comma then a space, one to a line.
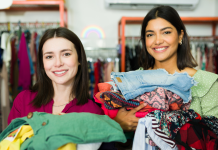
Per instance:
x=14, y=140
x=68, y=146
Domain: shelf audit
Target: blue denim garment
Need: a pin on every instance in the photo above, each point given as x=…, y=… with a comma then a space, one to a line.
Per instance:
x=135, y=83
x=139, y=138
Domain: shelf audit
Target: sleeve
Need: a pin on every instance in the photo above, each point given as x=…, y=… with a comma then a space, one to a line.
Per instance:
x=16, y=108
x=209, y=102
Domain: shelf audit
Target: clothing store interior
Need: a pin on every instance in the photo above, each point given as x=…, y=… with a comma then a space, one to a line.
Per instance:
x=109, y=74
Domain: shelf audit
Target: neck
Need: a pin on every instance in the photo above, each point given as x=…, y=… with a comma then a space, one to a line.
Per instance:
x=62, y=94
x=170, y=66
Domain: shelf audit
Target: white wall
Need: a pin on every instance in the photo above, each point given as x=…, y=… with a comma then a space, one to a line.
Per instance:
x=83, y=13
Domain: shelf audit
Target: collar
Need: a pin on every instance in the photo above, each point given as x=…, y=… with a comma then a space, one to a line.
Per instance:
x=205, y=81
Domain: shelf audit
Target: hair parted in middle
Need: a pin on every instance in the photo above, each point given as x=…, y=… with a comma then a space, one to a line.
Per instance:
x=184, y=56
x=44, y=87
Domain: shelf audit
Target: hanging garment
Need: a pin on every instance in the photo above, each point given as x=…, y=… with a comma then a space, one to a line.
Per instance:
x=14, y=70
x=57, y=130
x=5, y=104
x=7, y=49
x=91, y=79
x=210, y=61
x=198, y=59
x=97, y=77
x=24, y=66
x=135, y=83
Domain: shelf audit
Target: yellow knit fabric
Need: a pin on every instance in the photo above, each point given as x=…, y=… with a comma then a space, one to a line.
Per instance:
x=14, y=140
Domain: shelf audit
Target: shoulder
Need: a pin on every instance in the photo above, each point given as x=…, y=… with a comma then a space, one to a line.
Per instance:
x=24, y=97
x=205, y=80
x=191, y=71
x=21, y=105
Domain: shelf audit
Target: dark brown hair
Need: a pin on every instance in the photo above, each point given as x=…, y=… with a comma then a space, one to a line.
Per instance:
x=184, y=56
x=44, y=85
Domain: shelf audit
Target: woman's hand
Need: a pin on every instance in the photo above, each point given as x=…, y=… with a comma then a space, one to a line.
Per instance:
x=127, y=119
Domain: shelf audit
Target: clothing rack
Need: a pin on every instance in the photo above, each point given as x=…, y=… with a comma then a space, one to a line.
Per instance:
x=41, y=5
x=28, y=25
x=107, y=54
x=138, y=20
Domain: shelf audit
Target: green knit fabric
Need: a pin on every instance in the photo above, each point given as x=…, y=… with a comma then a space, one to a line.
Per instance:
x=59, y=130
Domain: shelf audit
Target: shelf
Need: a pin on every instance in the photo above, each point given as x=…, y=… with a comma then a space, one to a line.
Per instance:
x=45, y=5
x=138, y=20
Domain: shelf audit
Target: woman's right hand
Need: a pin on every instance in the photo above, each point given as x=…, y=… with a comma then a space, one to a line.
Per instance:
x=127, y=119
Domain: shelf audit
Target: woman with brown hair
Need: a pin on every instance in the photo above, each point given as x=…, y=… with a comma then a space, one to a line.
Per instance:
x=62, y=85
x=166, y=45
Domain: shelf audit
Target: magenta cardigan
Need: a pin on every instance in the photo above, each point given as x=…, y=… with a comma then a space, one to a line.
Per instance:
x=21, y=106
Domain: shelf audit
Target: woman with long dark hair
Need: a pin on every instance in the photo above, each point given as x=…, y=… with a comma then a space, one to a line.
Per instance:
x=62, y=85
x=166, y=46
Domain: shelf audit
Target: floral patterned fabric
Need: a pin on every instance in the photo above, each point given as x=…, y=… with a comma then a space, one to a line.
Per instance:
x=161, y=98
x=170, y=122
x=212, y=123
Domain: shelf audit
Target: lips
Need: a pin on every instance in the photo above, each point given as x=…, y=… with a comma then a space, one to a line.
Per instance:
x=160, y=49
x=60, y=72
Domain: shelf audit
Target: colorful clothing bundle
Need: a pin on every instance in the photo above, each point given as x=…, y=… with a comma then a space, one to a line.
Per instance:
x=163, y=99
x=135, y=83
x=111, y=94
x=170, y=122
x=174, y=109
x=114, y=100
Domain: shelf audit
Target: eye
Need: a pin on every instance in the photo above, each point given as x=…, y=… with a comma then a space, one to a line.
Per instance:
x=167, y=32
x=148, y=35
x=48, y=57
x=67, y=54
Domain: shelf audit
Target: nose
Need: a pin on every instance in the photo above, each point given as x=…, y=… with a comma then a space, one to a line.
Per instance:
x=58, y=62
x=159, y=40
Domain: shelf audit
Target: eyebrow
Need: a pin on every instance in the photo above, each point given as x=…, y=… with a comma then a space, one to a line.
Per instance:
x=160, y=29
x=64, y=50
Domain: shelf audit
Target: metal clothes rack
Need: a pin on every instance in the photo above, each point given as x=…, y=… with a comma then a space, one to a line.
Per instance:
x=138, y=20
x=41, y=5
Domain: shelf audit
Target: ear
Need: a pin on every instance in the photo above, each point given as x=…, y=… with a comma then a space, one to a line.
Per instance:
x=181, y=35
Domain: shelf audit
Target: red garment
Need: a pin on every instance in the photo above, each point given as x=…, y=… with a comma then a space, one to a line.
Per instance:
x=102, y=88
x=96, y=74
x=197, y=137
x=24, y=80
x=21, y=106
